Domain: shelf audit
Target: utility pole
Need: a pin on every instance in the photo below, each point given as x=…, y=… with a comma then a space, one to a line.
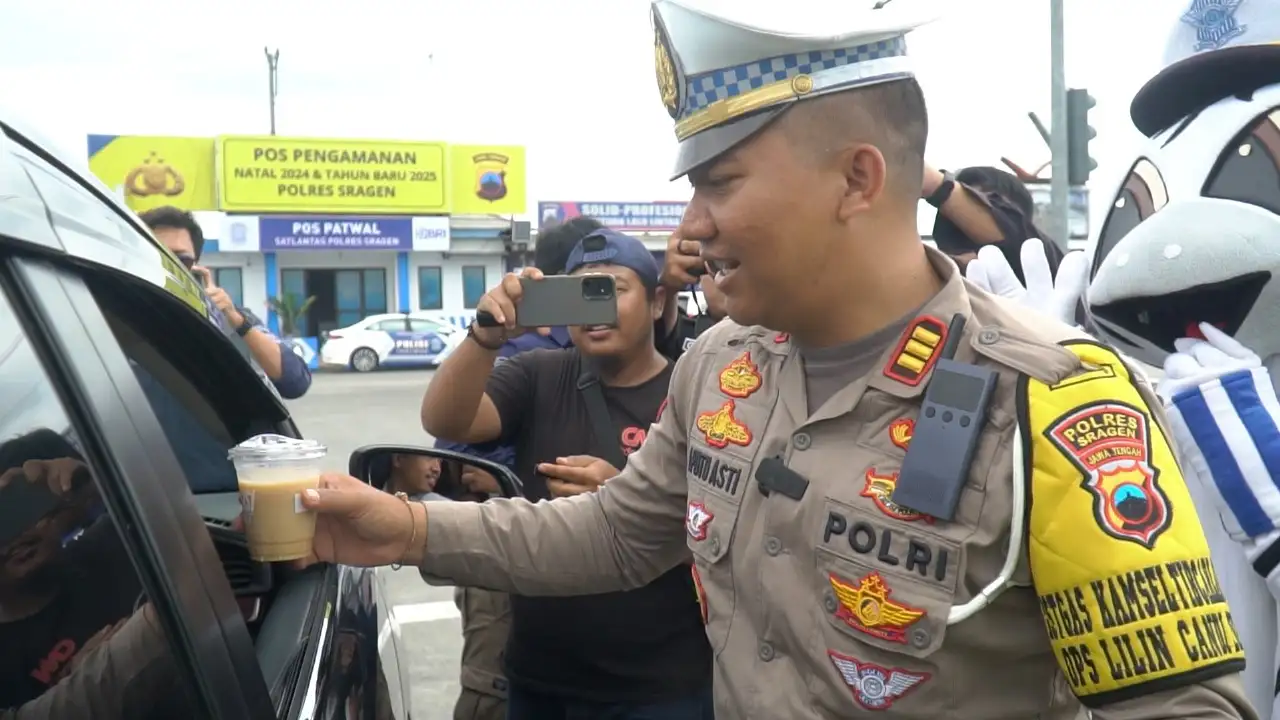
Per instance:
x=273, y=82
x=1059, y=183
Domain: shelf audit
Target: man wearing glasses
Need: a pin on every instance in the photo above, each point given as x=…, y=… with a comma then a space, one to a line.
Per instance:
x=275, y=360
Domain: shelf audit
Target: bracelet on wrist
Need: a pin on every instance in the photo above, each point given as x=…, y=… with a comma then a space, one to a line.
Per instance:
x=413, y=524
x=471, y=334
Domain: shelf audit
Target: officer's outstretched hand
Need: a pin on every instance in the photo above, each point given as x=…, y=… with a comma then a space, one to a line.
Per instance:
x=1056, y=297
x=359, y=525
x=502, y=302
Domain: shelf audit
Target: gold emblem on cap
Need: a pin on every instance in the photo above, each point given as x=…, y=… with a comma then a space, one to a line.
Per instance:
x=802, y=84
x=666, y=70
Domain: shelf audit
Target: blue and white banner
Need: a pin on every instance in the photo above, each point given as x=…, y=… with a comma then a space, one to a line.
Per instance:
x=269, y=233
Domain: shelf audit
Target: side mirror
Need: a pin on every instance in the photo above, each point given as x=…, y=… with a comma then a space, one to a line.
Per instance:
x=433, y=474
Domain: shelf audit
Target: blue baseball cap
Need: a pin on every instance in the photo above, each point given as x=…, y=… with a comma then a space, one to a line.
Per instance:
x=610, y=247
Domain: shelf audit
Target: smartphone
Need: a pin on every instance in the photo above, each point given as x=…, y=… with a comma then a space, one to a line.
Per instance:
x=589, y=299
x=22, y=504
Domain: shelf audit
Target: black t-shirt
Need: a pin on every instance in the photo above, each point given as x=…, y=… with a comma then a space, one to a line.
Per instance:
x=97, y=588
x=638, y=646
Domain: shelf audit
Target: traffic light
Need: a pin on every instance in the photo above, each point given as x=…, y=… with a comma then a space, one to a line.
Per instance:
x=1079, y=163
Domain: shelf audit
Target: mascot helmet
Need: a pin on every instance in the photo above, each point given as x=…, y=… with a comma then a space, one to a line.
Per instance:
x=1193, y=234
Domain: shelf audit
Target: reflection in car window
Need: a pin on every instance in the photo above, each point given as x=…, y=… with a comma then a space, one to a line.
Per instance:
x=1249, y=169
x=199, y=438
x=78, y=637
x=1143, y=194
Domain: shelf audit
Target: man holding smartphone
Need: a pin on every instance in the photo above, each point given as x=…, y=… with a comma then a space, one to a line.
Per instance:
x=641, y=653
x=288, y=374
x=486, y=615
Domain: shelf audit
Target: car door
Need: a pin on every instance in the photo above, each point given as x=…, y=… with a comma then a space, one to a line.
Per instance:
x=426, y=335
x=152, y=397
x=405, y=348
x=133, y=630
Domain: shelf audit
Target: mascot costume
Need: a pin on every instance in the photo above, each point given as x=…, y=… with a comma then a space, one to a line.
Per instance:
x=1184, y=275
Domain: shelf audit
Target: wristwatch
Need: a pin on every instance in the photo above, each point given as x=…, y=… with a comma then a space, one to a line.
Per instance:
x=939, y=196
x=246, y=324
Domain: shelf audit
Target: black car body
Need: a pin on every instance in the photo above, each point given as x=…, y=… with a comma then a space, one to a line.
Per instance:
x=105, y=347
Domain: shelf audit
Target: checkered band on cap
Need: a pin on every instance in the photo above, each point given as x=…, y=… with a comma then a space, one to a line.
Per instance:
x=707, y=88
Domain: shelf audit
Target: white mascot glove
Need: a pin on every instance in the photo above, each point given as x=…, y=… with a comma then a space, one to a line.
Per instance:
x=1225, y=419
x=1055, y=297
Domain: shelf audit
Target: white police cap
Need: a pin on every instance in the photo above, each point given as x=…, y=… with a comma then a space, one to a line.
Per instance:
x=724, y=78
x=1218, y=48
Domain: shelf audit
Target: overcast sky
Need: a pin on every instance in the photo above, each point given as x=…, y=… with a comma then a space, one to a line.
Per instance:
x=571, y=79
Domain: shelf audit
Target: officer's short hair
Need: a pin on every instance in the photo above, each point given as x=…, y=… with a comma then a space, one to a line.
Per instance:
x=891, y=115
x=551, y=252
x=172, y=218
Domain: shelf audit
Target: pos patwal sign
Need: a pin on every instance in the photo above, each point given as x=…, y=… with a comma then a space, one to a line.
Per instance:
x=1118, y=557
x=281, y=175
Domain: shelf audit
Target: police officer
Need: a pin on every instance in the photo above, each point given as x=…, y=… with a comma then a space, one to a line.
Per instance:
x=906, y=496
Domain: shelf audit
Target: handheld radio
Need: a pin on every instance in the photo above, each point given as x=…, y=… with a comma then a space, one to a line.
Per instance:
x=946, y=433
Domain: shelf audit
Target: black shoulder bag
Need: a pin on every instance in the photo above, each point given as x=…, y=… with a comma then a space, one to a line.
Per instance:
x=606, y=446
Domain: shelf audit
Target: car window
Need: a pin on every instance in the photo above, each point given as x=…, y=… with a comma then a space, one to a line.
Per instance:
x=388, y=325
x=1249, y=169
x=185, y=366
x=420, y=325
x=1142, y=195
x=79, y=636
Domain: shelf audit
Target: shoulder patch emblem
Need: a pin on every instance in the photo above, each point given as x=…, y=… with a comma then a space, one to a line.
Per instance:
x=740, y=378
x=875, y=687
x=721, y=428
x=697, y=520
x=900, y=432
x=865, y=606
x=1110, y=444
x=879, y=489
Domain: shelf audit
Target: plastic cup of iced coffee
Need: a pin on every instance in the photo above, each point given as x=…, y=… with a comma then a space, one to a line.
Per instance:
x=273, y=471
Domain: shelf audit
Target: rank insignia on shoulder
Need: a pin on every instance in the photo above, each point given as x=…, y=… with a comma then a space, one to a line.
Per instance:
x=875, y=687
x=721, y=428
x=900, y=432
x=740, y=378
x=917, y=351
x=697, y=520
x=701, y=594
x=1108, y=442
x=865, y=606
x=879, y=489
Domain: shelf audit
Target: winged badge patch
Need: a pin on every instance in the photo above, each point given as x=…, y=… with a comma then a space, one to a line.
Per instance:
x=875, y=687
x=865, y=606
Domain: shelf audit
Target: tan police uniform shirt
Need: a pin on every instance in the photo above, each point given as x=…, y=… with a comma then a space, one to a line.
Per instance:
x=836, y=604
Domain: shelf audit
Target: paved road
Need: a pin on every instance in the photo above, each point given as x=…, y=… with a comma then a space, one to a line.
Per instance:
x=345, y=411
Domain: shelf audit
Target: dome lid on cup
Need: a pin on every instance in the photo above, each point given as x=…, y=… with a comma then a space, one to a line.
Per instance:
x=277, y=447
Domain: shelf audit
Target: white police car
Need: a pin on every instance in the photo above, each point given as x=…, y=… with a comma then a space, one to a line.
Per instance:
x=390, y=340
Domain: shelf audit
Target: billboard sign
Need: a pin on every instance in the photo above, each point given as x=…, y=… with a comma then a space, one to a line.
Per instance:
x=624, y=217
x=298, y=175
